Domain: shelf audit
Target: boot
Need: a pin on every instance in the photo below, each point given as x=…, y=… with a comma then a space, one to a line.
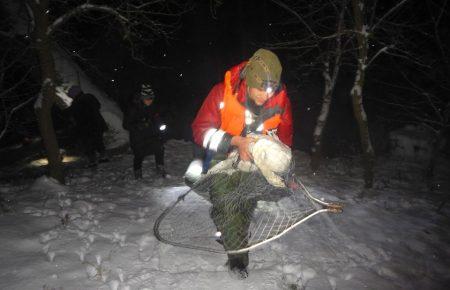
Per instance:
x=161, y=171
x=138, y=173
x=237, y=266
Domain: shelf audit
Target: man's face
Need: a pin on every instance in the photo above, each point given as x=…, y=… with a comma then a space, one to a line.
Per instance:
x=259, y=96
x=147, y=102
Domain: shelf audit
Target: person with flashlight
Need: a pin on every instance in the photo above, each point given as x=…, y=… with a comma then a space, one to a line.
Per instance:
x=147, y=129
x=251, y=99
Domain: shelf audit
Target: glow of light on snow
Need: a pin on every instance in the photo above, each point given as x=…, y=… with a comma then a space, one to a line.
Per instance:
x=181, y=75
x=74, y=51
x=112, y=80
x=164, y=54
x=44, y=161
x=115, y=69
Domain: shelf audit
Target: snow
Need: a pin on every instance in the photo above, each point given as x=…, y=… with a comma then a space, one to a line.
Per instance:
x=61, y=93
x=357, y=89
x=96, y=232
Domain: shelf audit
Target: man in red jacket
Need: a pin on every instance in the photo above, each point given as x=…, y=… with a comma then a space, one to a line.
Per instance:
x=251, y=99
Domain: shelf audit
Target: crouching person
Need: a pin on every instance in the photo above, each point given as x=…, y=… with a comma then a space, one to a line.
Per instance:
x=146, y=128
x=250, y=100
x=89, y=124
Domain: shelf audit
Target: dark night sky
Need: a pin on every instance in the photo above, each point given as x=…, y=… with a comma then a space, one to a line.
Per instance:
x=188, y=65
x=184, y=68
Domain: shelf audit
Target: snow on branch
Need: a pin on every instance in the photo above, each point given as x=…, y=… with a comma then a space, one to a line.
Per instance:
x=384, y=49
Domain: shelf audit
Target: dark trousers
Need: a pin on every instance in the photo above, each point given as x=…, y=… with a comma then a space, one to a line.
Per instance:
x=91, y=144
x=232, y=214
x=158, y=152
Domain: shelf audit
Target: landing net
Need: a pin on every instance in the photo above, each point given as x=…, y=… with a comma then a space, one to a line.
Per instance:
x=235, y=211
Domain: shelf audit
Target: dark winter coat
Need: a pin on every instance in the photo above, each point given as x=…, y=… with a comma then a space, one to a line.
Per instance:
x=143, y=124
x=85, y=110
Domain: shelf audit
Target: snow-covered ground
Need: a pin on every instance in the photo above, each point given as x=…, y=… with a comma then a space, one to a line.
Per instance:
x=97, y=233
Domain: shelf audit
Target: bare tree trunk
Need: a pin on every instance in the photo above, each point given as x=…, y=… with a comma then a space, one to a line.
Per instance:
x=357, y=96
x=330, y=79
x=322, y=119
x=48, y=72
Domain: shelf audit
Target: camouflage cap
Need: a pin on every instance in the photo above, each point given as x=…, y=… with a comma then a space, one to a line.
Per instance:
x=147, y=92
x=263, y=70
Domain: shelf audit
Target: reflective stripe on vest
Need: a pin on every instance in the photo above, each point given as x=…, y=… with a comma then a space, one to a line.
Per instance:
x=233, y=112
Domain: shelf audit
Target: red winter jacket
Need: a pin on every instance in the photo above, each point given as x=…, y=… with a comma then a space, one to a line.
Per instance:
x=206, y=125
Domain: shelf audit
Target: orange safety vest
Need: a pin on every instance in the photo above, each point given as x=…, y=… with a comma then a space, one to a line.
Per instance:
x=233, y=112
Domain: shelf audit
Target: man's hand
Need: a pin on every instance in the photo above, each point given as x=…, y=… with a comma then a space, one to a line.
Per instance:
x=242, y=144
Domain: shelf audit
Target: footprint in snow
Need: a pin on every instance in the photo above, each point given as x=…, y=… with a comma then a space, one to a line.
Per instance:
x=146, y=243
x=48, y=236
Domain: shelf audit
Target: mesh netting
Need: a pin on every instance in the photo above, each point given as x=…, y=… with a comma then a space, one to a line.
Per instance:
x=233, y=211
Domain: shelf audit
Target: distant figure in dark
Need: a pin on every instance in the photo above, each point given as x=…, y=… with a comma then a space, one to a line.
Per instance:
x=147, y=129
x=89, y=124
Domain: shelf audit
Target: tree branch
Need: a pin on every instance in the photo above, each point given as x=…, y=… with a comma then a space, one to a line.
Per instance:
x=299, y=17
x=83, y=9
x=392, y=10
